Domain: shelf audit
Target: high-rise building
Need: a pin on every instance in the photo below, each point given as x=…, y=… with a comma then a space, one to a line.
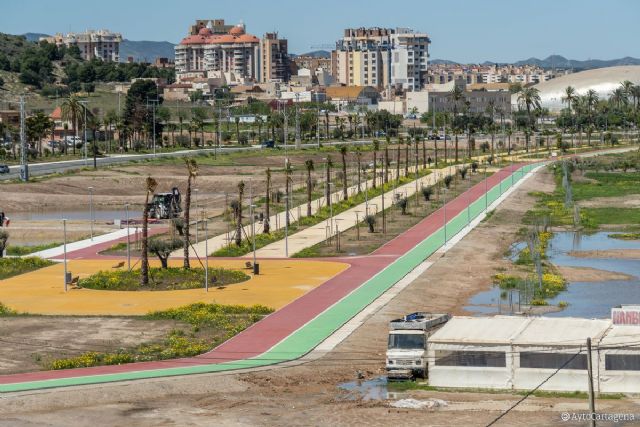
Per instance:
x=382, y=57
x=275, y=58
x=102, y=44
x=213, y=49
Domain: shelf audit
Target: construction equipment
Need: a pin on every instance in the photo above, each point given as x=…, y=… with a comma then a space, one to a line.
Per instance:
x=165, y=205
x=407, y=346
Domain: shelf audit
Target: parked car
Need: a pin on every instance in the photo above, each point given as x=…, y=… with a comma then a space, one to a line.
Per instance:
x=268, y=144
x=4, y=169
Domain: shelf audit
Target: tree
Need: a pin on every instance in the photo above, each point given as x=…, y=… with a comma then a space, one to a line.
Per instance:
x=358, y=164
x=238, y=214
x=310, y=168
x=288, y=171
x=456, y=96
x=376, y=147
x=267, y=201
x=236, y=119
x=327, y=186
x=38, y=127
x=427, y=192
x=151, y=185
x=162, y=249
x=71, y=110
x=403, y=203
x=192, y=172
x=371, y=222
x=343, y=154
x=529, y=97
x=4, y=237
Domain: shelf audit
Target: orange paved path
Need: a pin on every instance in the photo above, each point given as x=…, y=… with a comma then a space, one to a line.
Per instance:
x=279, y=283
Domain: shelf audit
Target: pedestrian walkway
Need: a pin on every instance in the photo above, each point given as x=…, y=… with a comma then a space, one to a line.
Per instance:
x=347, y=219
x=277, y=221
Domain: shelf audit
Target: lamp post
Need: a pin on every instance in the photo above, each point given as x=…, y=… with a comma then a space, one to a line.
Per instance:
x=486, y=189
x=126, y=210
x=91, y=219
x=444, y=207
x=64, y=233
x=286, y=228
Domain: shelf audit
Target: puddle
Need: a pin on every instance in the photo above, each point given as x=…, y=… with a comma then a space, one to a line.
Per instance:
x=586, y=299
x=375, y=389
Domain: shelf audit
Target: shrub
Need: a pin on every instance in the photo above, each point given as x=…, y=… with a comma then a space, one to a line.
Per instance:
x=14, y=266
x=6, y=311
x=463, y=171
x=474, y=167
x=403, y=204
x=427, y=192
x=371, y=222
x=447, y=180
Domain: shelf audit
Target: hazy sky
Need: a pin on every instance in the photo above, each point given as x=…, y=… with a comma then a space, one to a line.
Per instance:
x=461, y=30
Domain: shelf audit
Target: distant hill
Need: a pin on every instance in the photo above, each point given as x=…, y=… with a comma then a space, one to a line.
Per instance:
x=442, y=62
x=315, y=54
x=558, y=61
x=12, y=45
x=146, y=51
x=34, y=37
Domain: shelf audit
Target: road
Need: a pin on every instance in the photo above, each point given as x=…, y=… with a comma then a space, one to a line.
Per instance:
x=39, y=169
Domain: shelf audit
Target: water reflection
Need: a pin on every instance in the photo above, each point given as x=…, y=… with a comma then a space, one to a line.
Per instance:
x=586, y=299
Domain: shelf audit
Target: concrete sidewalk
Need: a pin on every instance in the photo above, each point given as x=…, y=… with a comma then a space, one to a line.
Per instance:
x=349, y=218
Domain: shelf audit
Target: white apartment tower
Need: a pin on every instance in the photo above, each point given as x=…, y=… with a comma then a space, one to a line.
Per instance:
x=102, y=44
x=382, y=57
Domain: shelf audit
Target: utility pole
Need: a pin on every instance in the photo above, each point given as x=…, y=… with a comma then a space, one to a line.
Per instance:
x=24, y=165
x=592, y=404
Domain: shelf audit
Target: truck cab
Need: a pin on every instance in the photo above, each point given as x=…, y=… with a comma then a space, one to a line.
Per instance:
x=407, y=344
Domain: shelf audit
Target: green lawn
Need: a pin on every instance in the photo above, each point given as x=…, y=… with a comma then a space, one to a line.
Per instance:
x=608, y=184
x=10, y=267
x=613, y=215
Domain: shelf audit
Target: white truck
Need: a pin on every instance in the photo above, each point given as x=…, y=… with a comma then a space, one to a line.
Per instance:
x=407, y=347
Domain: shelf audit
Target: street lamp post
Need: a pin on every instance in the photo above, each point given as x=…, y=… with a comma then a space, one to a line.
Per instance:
x=91, y=219
x=84, y=104
x=64, y=232
x=286, y=228
x=486, y=186
x=126, y=209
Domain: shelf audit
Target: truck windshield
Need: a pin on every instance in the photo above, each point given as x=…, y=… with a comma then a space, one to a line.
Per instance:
x=406, y=341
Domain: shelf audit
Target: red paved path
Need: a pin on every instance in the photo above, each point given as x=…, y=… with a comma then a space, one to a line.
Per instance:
x=263, y=335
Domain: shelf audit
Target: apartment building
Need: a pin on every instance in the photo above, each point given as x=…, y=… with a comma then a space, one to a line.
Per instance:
x=487, y=74
x=275, y=58
x=214, y=49
x=382, y=57
x=102, y=44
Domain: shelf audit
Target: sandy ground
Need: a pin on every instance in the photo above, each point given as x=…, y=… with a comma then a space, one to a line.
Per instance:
x=51, y=231
x=26, y=341
x=628, y=201
x=308, y=394
x=587, y=274
x=610, y=253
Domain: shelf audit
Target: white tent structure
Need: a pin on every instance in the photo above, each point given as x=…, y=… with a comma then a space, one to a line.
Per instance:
x=520, y=353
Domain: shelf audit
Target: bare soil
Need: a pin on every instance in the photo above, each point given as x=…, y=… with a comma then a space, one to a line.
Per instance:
x=610, y=253
x=307, y=394
x=29, y=342
x=587, y=274
x=628, y=201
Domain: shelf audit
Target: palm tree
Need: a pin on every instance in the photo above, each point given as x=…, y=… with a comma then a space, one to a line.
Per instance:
x=326, y=123
x=310, y=168
x=71, y=110
x=397, y=163
x=509, y=132
x=151, y=185
x=343, y=154
x=406, y=157
x=327, y=187
x=591, y=100
x=238, y=212
x=358, y=160
x=569, y=97
x=267, y=201
x=529, y=97
x=386, y=163
x=259, y=122
x=456, y=96
x=376, y=147
x=288, y=171
x=192, y=170
x=236, y=119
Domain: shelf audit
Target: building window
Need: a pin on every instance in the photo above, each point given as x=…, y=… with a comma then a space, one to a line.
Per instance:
x=481, y=359
x=622, y=362
x=539, y=360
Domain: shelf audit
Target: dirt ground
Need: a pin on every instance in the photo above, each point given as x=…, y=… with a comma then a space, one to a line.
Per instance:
x=609, y=253
x=307, y=394
x=29, y=341
x=587, y=274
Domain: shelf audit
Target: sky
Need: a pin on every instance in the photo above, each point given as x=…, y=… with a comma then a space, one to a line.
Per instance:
x=460, y=30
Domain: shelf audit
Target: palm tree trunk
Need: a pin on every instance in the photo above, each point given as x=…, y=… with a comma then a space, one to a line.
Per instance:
x=267, y=208
x=144, y=259
x=397, y=163
x=345, y=194
x=374, y=169
x=309, y=191
x=386, y=164
x=187, y=218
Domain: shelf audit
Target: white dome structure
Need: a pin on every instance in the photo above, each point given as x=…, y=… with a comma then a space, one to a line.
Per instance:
x=602, y=80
